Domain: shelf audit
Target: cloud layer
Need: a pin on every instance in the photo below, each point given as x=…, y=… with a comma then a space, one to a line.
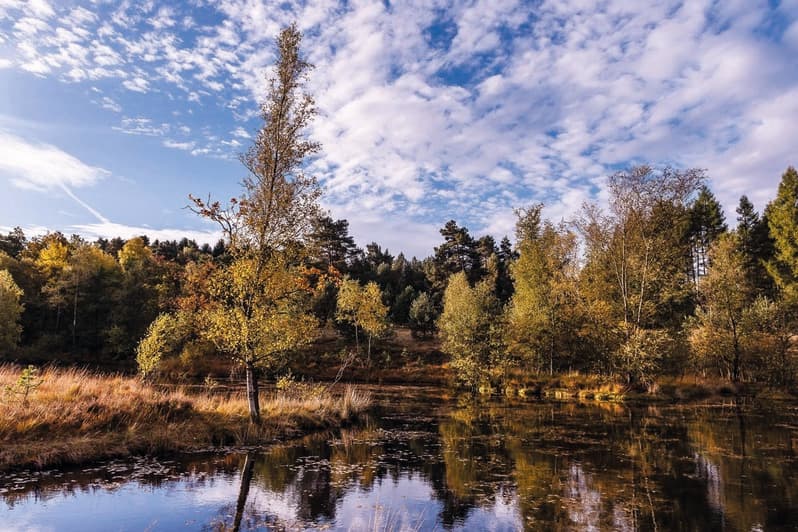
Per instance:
x=434, y=109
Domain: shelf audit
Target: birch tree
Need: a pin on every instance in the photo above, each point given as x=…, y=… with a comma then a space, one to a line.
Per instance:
x=259, y=313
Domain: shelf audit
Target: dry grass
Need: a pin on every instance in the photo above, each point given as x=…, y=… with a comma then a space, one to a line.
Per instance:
x=76, y=416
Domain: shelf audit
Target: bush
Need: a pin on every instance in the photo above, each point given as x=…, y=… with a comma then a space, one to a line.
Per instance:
x=639, y=358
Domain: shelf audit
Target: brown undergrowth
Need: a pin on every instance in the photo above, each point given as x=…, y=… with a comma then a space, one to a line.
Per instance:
x=76, y=416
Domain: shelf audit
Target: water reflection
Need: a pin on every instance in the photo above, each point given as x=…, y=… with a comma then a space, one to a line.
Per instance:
x=424, y=462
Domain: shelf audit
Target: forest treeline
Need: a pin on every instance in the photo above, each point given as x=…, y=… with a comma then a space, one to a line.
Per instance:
x=656, y=282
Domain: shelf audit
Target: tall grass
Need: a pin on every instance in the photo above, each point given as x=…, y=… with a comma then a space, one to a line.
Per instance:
x=75, y=416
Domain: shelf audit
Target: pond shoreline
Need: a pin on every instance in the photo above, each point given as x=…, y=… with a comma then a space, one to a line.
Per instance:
x=76, y=417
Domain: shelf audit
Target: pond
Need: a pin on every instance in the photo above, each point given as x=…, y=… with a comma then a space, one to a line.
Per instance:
x=425, y=461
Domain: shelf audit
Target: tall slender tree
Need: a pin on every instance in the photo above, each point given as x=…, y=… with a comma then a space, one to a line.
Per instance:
x=259, y=313
x=725, y=295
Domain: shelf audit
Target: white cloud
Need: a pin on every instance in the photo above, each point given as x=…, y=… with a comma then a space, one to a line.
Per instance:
x=136, y=84
x=111, y=230
x=185, y=146
x=110, y=104
x=142, y=126
x=43, y=167
x=240, y=132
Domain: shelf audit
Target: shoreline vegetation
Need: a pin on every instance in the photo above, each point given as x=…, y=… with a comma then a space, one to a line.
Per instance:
x=75, y=416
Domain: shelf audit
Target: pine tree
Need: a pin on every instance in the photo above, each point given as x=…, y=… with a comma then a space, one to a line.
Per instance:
x=458, y=253
x=782, y=217
x=331, y=244
x=755, y=246
x=707, y=222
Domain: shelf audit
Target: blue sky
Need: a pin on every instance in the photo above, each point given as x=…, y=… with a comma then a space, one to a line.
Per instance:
x=113, y=112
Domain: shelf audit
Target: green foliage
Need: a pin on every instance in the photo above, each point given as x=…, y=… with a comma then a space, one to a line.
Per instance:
x=363, y=308
x=258, y=313
x=423, y=315
x=755, y=245
x=330, y=244
x=769, y=342
x=13, y=243
x=471, y=327
x=10, y=312
x=718, y=332
x=163, y=338
x=782, y=217
x=707, y=223
x=457, y=253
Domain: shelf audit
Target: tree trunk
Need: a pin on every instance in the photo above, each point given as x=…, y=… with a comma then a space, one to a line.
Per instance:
x=243, y=491
x=253, y=393
x=75, y=317
x=736, y=366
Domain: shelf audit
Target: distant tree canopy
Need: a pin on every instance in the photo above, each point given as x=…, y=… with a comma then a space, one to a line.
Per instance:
x=657, y=281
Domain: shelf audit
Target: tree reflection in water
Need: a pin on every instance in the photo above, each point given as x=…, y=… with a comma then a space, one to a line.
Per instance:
x=501, y=465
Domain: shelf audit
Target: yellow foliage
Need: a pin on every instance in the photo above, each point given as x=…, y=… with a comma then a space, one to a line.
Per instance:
x=134, y=254
x=258, y=311
x=53, y=257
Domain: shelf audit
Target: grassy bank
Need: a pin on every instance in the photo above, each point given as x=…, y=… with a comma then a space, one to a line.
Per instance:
x=75, y=416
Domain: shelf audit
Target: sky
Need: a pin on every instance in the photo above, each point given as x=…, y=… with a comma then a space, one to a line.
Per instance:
x=112, y=113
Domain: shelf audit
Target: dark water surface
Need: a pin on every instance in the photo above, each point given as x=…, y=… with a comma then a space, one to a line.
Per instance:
x=427, y=462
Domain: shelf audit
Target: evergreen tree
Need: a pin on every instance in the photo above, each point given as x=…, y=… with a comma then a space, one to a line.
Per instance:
x=782, y=218
x=331, y=245
x=13, y=243
x=707, y=222
x=458, y=253
x=755, y=246
x=504, y=281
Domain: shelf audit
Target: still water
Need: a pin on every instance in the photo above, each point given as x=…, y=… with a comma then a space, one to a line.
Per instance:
x=425, y=461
